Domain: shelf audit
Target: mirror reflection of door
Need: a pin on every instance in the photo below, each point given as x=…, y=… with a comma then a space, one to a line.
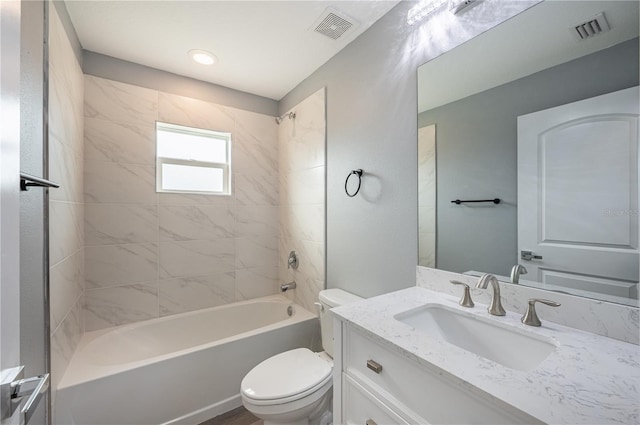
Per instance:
x=578, y=195
x=427, y=196
x=475, y=94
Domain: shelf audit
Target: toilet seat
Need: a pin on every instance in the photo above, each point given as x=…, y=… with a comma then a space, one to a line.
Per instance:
x=293, y=410
x=287, y=377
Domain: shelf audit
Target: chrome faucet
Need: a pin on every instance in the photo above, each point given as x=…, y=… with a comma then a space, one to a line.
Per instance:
x=495, y=308
x=516, y=271
x=286, y=286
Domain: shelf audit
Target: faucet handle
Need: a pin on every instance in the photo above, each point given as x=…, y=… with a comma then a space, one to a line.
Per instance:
x=292, y=261
x=530, y=317
x=466, y=300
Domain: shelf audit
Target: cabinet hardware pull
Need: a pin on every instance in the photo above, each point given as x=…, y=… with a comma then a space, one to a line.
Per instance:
x=370, y=422
x=374, y=366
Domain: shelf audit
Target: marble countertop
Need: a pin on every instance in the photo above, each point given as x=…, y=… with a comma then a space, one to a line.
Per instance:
x=588, y=379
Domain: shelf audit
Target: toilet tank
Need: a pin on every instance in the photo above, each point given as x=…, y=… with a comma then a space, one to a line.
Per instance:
x=330, y=298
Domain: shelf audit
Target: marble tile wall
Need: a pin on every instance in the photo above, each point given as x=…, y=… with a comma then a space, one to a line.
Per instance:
x=154, y=254
x=427, y=196
x=603, y=318
x=302, y=198
x=66, y=210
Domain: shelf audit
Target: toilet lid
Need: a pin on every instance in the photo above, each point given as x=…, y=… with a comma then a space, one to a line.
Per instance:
x=285, y=375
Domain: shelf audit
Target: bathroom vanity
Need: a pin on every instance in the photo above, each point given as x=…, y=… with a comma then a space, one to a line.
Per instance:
x=416, y=356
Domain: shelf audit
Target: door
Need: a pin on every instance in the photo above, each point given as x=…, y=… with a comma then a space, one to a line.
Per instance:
x=578, y=195
x=9, y=200
x=21, y=125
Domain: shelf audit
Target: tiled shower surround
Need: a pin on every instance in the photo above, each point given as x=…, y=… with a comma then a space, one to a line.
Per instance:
x=66, y=210
x=301, y=145
x=151, y=254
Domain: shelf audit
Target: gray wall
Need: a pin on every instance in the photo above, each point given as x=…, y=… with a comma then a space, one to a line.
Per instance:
x=63, y=13
x=372, y=124
x=143, y=76
x=477, y=153
x=132, y=73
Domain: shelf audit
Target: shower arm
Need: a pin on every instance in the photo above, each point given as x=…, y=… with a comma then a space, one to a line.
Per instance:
x=291, y=116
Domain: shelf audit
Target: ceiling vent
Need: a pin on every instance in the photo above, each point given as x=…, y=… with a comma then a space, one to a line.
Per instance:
x=592, y=27
x=333, y=25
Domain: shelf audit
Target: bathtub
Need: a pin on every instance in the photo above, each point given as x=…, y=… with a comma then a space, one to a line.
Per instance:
x=180, y=369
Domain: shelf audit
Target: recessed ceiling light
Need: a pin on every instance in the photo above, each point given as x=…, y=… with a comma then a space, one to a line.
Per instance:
x=202, y=57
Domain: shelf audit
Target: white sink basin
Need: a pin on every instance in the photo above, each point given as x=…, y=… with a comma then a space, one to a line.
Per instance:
x=484, y=337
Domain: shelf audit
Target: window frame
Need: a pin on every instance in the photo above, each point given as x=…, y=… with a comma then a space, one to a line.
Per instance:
x=212, y=134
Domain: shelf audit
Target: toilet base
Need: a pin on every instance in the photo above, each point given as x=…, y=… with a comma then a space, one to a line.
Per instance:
x=313, y=414
x=303, y=422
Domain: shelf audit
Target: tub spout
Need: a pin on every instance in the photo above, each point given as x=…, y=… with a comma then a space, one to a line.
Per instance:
x=286, y=286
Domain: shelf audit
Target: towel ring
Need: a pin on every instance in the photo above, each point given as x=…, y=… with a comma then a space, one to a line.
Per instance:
x=358, y=173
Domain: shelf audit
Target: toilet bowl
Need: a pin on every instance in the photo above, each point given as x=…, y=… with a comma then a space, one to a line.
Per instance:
x=295, y=387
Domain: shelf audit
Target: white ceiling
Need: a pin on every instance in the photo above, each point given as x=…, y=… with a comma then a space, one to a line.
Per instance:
x=263, y=47
x=532, y=41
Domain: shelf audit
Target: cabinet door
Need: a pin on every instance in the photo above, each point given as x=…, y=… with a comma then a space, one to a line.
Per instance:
x=360, y=407
x=422, y=392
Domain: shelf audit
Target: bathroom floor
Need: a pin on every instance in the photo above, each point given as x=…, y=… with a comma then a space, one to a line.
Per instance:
x=239, y=416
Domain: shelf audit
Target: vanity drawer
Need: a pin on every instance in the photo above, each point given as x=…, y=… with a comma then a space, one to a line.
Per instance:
x=363, y=408
x=418, y=391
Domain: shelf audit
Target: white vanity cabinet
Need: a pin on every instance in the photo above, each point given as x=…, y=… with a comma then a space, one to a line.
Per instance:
x=377, y=384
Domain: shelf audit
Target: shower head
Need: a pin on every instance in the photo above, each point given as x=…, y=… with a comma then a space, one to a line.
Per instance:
x=291, y=116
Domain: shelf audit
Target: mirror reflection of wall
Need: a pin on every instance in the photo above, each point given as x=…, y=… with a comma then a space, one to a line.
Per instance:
x=475, y=94
x=427, y=196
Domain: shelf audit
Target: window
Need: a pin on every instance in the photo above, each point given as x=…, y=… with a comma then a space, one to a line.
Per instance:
x=192, y=160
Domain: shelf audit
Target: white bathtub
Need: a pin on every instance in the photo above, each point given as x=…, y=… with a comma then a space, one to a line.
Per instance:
x=180, y=369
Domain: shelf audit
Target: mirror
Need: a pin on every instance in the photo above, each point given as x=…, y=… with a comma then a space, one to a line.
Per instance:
x=539, y=128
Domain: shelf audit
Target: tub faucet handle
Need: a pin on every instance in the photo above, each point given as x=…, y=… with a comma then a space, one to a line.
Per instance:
x=292, y=262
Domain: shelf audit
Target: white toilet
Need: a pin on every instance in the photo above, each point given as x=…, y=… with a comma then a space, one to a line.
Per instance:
x=294, y=387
